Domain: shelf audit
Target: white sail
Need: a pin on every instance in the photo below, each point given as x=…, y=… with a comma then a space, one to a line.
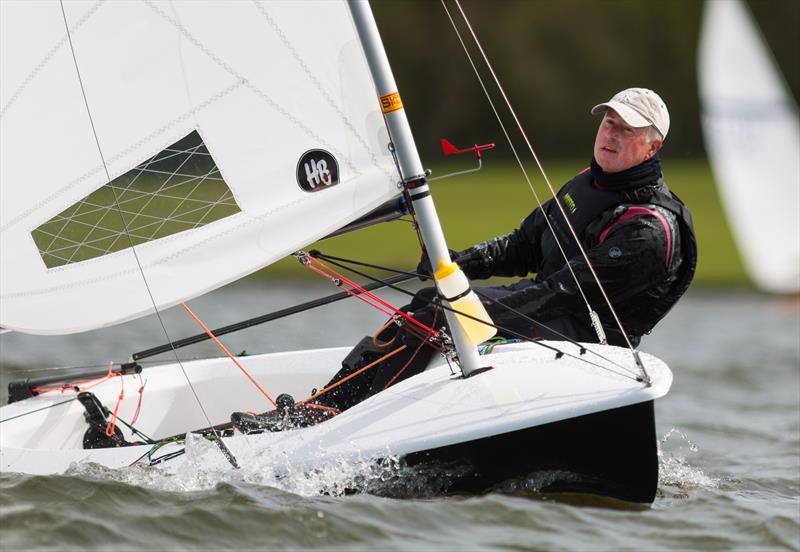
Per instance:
x=752, y=135
x=232, y=133
x=203, y=112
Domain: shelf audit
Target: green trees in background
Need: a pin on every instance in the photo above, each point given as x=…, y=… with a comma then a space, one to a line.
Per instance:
x=558, y=58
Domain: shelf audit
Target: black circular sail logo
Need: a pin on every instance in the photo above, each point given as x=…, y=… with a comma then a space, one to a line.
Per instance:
x=317, y=170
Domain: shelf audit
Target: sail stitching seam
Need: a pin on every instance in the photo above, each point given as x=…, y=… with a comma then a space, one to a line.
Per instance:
x=135, y=145
x=207, y=206
x=47, y=57
x=318, y=85
x=117, y=203
x=162, y=260
x=250, y=86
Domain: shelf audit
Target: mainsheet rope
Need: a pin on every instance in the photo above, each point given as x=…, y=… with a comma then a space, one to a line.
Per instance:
x=535, y=157
x=227, y=352
x=355, y=290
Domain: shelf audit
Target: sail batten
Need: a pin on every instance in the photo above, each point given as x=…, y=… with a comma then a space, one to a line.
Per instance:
x=278, y=94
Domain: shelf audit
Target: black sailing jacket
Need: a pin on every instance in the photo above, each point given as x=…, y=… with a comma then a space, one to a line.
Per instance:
x=638, y=237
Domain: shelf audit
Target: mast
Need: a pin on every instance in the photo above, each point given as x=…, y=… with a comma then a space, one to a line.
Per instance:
x=410, y=167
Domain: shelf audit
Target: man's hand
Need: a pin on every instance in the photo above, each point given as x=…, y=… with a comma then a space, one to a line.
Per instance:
x=477, y=261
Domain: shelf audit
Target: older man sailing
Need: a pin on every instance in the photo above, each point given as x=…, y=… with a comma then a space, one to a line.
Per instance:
x=636, y=234
x=638, y=237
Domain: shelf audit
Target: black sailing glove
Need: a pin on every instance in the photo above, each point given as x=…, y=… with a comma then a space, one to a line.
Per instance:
x=509, y=255
x=477, y=261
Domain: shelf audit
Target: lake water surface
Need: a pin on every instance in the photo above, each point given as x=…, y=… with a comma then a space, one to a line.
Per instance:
x=729, y=430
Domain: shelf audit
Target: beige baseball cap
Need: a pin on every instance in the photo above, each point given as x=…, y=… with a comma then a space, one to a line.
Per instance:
x=639, y=107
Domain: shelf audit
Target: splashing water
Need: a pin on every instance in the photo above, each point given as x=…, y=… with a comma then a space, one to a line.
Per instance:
x=204, y=468
x=673, y=468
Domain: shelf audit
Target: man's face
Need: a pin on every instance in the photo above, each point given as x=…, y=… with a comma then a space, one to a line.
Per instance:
x=618, y=146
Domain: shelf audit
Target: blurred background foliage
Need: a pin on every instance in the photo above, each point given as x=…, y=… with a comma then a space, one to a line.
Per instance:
x=558, y=58
x=555, y=59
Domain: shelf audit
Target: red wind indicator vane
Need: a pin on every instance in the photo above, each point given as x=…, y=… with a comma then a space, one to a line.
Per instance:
x=450, y=149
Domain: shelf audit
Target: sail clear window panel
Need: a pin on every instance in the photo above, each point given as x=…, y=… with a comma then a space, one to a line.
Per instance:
x=179, y=188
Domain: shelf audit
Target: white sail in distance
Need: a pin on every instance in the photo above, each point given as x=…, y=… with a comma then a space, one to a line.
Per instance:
x=752, y=135
x=230, y=134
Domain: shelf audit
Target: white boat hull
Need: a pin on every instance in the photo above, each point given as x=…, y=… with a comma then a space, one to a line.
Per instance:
x=428, y=416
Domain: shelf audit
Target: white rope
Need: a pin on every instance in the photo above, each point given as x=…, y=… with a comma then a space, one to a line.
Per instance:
x=637, y=360
x=517, y=157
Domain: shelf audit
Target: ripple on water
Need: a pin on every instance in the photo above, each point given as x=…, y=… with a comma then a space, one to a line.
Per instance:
x=729, y=475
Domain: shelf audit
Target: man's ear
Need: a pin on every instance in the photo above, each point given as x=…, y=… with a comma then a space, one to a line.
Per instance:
x=655, y=145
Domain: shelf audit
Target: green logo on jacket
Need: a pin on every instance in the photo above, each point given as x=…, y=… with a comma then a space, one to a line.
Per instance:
x=570, y=203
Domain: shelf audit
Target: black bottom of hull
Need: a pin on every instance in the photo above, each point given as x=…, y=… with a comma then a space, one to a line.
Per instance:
x=611, y=453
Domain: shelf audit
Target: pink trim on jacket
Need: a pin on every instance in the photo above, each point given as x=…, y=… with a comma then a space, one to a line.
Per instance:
x=636, y=211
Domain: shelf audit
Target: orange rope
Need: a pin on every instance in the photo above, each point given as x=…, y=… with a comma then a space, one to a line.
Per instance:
x=323, y=407
x=385, y=344
x=227, y=352
x=354, y=374
x=79, y=385
x=406, y=365
x=415, y=327
x=112, y=423
x=139, y=404
x=416, y=352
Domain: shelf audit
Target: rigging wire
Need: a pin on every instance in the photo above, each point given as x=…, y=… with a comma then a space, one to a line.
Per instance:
x=223, y=448
x=29, y=412
x=333, y=259
x=628, y=373
x=73, y=399
x=275, y=315
x=500, y=88
x=516, y=154
x=372, y=299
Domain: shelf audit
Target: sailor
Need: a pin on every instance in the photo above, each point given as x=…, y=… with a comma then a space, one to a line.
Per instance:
x=636, y=233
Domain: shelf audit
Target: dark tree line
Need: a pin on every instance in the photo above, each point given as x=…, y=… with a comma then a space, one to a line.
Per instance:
x=556, y=59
